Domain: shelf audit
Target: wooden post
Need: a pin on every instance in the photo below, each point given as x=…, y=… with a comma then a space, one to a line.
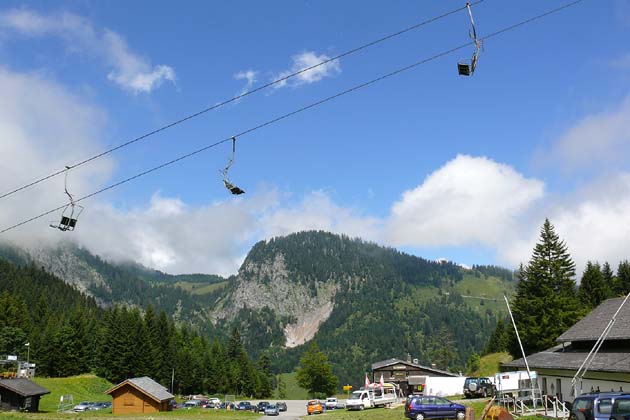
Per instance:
x=470, y=413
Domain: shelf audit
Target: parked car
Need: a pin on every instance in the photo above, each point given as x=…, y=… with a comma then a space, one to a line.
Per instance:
x=224, y=405
x=192, y=404
x=331, y=403
x=478, y=387
x=621, y=408
x=282, y=406
x=244, y=406
x=314, y=407
x=102, y=405
x=340, y=406
x=272, y=410
x=83, y=406
x=209, y=404
x=594, y=406
x=261, y=406
x=419, y=407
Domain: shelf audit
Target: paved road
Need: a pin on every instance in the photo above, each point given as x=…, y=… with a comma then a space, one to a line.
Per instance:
x=295, y=409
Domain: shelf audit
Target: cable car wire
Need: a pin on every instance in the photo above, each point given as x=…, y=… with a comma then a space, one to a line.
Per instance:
x=302, y=109
x=240, y=96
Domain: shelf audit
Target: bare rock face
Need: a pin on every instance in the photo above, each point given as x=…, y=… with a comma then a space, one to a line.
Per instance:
x=269, y=284
x=63, y=262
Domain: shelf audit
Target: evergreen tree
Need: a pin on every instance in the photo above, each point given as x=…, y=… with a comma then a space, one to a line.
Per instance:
x=315, y=373
x=623, y=278
x=546, y=302
x=593, y=290
x=282, y=388
x=609, y=280
x=499, y=339
x=473, y=364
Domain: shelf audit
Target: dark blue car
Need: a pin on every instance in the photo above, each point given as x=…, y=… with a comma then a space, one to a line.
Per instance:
x=419, y=407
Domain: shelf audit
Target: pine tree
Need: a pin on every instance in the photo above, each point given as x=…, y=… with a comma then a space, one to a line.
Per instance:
x=315, y=373
x=623, y=278
x=546, y=302
x=593, y=290
x=609, y=279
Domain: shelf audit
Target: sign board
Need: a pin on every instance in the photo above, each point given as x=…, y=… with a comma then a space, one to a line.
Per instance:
x=14, y=358
x=347, y=387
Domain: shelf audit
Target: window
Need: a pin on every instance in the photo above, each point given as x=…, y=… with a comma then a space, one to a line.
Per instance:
x=441, y=401
x=604, y=405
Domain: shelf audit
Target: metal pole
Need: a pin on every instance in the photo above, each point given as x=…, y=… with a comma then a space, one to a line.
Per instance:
x=518, y=337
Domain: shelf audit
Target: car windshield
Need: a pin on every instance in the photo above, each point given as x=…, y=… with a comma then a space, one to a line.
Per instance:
x=356, y=395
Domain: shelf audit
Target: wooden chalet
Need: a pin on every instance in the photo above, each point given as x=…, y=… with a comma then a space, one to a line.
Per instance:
x=404, y=374
x=20, y=394
x=139, y=395
x=610, y=368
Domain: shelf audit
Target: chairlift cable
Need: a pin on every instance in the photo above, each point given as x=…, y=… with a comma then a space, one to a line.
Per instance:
x=300, y=110
x=240, y=96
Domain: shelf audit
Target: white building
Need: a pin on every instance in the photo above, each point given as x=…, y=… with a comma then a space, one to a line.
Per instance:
x=610, y=368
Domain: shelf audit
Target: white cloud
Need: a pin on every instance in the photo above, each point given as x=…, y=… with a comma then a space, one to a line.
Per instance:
x=305, y=60
x=250, y=78
x=128, y=70
x=470, y=200
x=592, y=221
x=173, y=237
x=317, y=211
x=44, y=127
x=598, y=140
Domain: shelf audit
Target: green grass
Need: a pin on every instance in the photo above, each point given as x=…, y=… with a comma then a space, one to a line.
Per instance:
x=397, y=413
x=294, y=391
x=200, y=288
x=489, y=364
x=82, y=388
x=195, y=414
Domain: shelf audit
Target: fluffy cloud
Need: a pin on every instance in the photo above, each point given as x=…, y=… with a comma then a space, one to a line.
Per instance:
x=470, y=200
x=598, y=140
x=317, y=211
x=44, y=127
x=305, y=60
x=130, y=71
x=592, y=221
x=250, y=78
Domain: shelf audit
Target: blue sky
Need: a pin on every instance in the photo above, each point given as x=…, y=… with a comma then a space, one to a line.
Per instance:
x=427, y=161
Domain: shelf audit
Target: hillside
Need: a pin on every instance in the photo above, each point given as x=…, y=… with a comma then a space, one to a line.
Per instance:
x=360, y=301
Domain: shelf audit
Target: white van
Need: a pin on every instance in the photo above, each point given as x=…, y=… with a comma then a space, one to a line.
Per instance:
x=376, y=396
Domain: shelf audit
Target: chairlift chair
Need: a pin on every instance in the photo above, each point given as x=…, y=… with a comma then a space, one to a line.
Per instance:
x=467, y=67
x=70, y=213
x=231, y=187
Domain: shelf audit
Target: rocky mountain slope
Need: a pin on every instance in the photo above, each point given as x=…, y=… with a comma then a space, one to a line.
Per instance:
x=360, y=301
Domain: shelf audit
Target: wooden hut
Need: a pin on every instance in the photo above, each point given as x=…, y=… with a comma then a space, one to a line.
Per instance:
x=139, y=395
x=20, y=394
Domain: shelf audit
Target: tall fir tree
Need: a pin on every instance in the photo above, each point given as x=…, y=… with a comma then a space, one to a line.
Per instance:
x=315, y=373
x=546, y=302
x=593, y=289
x=623, y=278
x=609, y=279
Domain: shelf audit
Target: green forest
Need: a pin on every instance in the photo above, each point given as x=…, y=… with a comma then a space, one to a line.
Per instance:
x=69, y=334
x=388, y=304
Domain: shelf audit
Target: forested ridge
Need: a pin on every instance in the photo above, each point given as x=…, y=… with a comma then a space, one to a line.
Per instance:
x=387, y=304
x=69, y=334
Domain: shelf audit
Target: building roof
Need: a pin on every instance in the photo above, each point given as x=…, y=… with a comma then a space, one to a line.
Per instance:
x=555, y=358
x=23, y=387
x=391, y=362
x=591, y=326
x=147, y=386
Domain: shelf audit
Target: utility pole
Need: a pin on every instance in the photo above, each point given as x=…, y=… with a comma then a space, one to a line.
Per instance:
x=28, y=359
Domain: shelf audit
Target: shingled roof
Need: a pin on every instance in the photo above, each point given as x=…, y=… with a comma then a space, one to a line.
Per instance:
x=591, y=326
x=571, y=360
x=147, y=386
x=390, y=362
x=23, y=387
